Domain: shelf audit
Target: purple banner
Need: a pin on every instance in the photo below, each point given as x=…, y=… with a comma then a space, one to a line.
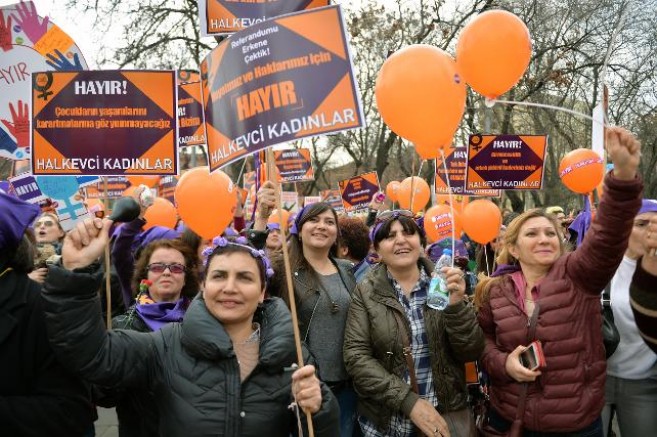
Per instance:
x=279, y=81
x=26, y=188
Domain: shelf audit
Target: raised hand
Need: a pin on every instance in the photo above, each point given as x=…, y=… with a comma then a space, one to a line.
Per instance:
x=60, y=62
x=28, y=19
x=624, y=150
x=85, y=243
x=19, y=127
x=5, y=32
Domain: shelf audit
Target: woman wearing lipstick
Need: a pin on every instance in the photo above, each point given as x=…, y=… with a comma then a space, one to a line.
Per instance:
x=408, y=360
x=48, y=234
x=224, y=371
x=164, y=286
x=539, y=292
x=323, y=285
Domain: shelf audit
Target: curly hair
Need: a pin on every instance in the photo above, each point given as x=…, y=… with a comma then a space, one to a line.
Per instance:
x=191, y=287
x=354, y=235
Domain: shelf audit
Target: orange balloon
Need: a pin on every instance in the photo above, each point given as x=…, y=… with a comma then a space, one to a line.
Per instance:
x=481, y=220
x=493, y=52
x=421, y=97
x=149, y=181
x=128, y=192
x=392, y=190
x=439, y=223
x=206, y=202
x=161, y=213
x=581, y=170
x=273, y=218
x=420, y=197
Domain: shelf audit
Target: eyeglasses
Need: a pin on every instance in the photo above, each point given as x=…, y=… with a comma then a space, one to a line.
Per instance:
x=393, y=215
x=46, y=223
x=175, y=268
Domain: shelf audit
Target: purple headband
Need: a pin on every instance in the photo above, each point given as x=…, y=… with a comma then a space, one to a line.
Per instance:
x=296, y=226
x=391, y=215
x=259, y=255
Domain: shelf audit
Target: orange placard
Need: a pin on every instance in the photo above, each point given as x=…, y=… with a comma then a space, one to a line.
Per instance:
x=104, y=123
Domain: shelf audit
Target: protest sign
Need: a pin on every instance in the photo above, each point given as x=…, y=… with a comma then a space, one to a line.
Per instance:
x=290, y=200
x=191, y=128
x=104, y=123
x=220, y=17
x=84, y=181
x=456, y=159
x=25, y=49
x=333, y=198
x=278, y=81
x=309, y=200
x=506, y=162
x=357, y=192
x=65, y=193
x=294, y=165
x=167, y=187
x=116, y=185
x=26, y=188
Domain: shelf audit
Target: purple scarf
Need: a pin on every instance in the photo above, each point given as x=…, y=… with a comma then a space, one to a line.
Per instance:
x=156, y=315
x=505, y=269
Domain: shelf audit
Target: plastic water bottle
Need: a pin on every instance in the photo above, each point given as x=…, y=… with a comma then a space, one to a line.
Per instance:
x=438, y=295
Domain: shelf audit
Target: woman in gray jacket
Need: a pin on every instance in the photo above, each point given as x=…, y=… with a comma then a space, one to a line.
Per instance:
x=223, y=371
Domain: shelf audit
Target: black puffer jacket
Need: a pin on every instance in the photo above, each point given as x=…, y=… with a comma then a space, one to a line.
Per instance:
x=38, y=396
x=190, y=366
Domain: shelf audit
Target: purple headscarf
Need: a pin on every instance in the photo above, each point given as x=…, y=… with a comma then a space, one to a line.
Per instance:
x=15, y=216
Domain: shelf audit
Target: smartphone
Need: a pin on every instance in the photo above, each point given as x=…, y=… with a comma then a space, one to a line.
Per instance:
x=532, y=357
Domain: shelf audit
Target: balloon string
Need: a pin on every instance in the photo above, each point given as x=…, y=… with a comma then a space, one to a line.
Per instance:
x=451, y=204
x=421, y=164
x=486, y=258
x=556, y=108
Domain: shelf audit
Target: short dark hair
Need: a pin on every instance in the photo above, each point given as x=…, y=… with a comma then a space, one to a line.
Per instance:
x=408, y=224
x=238, y=248
x=191, y=287
x=354, y=235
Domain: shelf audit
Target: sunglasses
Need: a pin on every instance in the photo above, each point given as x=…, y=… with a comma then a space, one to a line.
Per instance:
x=175, y=268
x=393, y=215
x=46, y=223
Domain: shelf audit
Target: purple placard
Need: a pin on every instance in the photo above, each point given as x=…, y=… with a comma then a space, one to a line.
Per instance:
x=26, y=188
x=278, y=81
x=357, y=192
x=167, y=187
x=507, y=162
x=456, y=162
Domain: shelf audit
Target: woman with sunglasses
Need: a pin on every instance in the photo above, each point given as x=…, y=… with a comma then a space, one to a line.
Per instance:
x=48, y=233
x=322, y=289
x=164, y=287
x=224, y=371
x=408, y=360
x=542, y=293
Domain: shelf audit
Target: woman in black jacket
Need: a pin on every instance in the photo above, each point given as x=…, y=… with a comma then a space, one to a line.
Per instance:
x=38, y=396
x=223, y=371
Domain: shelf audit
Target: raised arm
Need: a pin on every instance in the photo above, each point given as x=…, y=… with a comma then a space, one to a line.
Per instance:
x=73, y=318
x=593, y=264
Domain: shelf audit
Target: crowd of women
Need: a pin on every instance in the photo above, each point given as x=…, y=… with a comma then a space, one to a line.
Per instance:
x=202, y=340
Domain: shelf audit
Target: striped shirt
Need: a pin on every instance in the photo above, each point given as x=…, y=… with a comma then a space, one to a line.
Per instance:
x=400, y=425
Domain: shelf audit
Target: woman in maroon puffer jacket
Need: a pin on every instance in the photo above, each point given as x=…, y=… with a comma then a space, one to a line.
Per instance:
x=567, y=394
